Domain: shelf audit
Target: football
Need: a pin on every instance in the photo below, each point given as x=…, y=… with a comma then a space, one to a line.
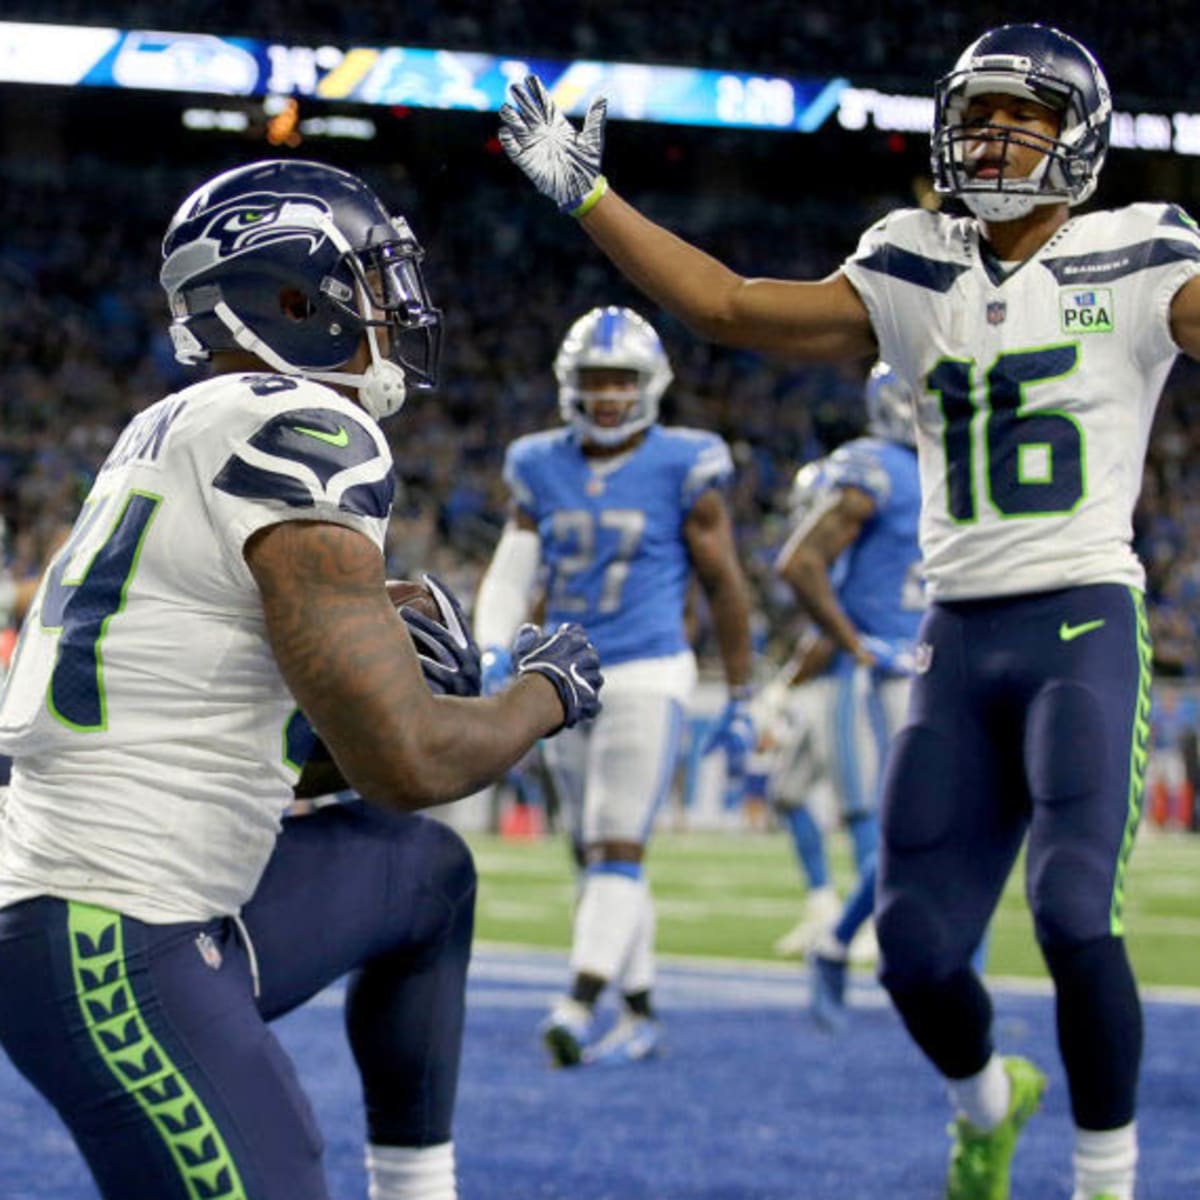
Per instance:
x=404, y=593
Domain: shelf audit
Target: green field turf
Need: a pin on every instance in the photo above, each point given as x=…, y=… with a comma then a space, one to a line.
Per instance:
x=731, y=895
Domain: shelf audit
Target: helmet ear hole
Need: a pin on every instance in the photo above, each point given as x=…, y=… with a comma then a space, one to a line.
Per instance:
x=294, y=304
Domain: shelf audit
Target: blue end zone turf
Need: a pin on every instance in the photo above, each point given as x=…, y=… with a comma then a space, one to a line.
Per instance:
x=749, y=1101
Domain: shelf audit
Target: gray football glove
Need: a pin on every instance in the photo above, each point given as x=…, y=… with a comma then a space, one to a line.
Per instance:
x=562, y=162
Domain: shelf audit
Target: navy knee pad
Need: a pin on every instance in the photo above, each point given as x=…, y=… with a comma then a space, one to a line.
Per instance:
x=1063, y=758
x=920, y=789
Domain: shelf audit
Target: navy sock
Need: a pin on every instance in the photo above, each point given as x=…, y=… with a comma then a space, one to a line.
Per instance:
x=951, y=1021
x=1099, y=1020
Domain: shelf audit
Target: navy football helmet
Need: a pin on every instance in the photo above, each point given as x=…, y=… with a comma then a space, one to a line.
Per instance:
x=247, y=239
x=1041, y=64
x=889, y=406
x=618, y=339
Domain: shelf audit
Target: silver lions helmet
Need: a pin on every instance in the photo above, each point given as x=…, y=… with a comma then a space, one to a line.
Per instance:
x=889, y=406
x=612, y=371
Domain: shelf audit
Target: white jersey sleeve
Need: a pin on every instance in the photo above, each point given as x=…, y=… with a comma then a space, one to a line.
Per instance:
x=145, y=712
x=1035, y=387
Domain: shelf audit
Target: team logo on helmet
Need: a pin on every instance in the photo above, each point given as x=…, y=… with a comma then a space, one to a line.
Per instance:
x=256, y=221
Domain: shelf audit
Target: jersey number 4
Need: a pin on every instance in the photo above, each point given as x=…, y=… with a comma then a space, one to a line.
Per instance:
x=1034, y=462
x=80, y=609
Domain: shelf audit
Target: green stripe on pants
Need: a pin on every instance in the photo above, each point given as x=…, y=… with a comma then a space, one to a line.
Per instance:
x=137, y=1061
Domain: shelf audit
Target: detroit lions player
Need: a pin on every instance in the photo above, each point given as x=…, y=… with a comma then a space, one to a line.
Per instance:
x=853, y=561
x=616, y=510
x=1035, y=342
x=228, y=564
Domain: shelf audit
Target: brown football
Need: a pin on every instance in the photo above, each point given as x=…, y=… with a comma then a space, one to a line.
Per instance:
x=404, y=593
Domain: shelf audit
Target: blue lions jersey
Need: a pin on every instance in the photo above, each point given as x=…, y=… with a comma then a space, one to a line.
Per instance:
x=612, y=531
x=878, y=578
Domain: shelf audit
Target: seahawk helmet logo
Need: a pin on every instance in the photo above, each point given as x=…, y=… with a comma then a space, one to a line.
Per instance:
x=239, y=226
x=253, y=221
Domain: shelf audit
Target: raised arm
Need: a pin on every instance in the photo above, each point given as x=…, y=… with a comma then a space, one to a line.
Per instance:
x=819, y=321
x=822, y=320
x=350, y=663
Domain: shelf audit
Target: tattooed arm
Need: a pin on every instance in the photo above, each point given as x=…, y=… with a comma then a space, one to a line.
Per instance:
x=350, y=663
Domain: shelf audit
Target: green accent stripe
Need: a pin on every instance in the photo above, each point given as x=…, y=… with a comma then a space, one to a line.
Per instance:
x=1139, y=753
x=138, y=1062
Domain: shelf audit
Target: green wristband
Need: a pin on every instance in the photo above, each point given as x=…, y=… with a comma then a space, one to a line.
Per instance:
x=593, y=198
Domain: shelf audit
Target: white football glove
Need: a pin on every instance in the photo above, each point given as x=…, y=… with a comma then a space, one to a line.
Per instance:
x=562, y=162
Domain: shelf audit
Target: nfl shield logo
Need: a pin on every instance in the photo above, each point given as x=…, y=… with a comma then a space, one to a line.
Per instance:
x=997, y=310
x=209, y=951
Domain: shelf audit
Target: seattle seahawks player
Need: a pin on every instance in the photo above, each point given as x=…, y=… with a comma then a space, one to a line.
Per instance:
x=1035, y=341
x=228, y=564
x=616, y=510
x=853, y=562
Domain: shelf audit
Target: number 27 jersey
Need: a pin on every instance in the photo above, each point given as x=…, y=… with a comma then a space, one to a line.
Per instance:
x=1035, y=387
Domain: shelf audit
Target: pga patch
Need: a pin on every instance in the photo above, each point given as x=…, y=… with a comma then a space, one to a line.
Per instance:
x=1086, y=310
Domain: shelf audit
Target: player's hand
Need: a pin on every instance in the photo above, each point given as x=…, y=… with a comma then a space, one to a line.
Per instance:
x=562, y=162
x=568, y=660
x=734, y=734
x=497, y=669
x=894, y=657
x=450, y=659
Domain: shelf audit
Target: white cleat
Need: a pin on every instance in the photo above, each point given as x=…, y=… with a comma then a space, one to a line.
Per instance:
x=632, y=1039
x=864, y=949
x=821, y=911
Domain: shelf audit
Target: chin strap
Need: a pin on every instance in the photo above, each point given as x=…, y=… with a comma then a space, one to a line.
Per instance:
x=381, y=388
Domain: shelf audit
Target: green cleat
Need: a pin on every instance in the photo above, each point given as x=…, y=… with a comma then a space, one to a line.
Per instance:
x=980, y=1162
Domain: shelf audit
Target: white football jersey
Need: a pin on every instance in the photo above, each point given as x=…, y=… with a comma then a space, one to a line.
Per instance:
x=145, y=711
x=1035, y=387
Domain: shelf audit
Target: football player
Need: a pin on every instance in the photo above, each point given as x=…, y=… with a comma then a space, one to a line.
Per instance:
x=226, y=566
x=1035, y=340
x=853, y=562
x=616, y=511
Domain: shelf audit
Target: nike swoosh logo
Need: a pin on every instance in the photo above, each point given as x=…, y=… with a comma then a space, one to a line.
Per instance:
x=339, y=439
x=1068, y=633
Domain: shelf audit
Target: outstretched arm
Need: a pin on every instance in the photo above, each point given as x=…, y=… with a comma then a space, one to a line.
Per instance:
x=818, y=321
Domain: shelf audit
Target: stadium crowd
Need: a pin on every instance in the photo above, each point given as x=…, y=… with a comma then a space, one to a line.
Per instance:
x=83, y=345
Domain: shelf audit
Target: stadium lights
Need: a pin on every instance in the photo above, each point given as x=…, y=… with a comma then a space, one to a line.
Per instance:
x=83, y=56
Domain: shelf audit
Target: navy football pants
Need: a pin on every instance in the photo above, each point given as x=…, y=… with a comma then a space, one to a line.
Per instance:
x=150, y=1042
x=1030, y=717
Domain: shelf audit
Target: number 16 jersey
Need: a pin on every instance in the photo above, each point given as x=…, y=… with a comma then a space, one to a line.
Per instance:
x=1035, y=386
